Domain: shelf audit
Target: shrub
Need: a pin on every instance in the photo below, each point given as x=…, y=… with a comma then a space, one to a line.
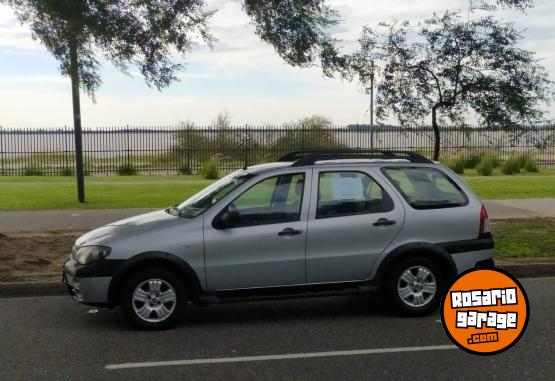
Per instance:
x=32, y=170
x=485, y=167
x=185, y=169
x=262, y=159
x=127, y=170
x=313, y=133
x=66, y=171
x=522, y=159
x=457, y=165
x=472, y=160
x=209, y=169
x=511, y=166
x=530, y=166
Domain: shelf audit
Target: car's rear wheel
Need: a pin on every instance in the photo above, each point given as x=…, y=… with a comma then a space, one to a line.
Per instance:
x=153, y=299
x=415, y=286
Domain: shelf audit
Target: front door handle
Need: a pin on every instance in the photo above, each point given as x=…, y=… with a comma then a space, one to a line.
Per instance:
x=384, y=222
x=290, y=231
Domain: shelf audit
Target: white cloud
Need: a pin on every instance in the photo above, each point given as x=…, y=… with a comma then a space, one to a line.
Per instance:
x=37, y=99
x=14, y=36
x=32, y=80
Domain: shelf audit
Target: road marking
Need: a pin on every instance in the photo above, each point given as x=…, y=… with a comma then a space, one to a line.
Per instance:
x=223, y=360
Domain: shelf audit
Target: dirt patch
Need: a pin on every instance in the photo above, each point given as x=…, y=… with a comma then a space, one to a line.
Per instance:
x=34, y=257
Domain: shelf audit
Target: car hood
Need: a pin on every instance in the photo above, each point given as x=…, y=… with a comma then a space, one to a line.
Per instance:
x=129, y=226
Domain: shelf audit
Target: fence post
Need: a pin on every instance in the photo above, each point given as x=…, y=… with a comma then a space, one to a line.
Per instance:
x=246, y=147
x=127, y=144
x=189, y=135
x=66, y=150
x=3, y=172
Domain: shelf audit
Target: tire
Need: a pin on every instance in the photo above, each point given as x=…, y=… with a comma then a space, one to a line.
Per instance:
x=416, y=298
x=148, y=302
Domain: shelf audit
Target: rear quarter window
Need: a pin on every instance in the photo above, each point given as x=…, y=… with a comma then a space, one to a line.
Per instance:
x=426, y=188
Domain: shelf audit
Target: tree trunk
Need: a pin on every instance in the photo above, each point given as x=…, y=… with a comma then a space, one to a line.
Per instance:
x=437, y=137
x=74, y=73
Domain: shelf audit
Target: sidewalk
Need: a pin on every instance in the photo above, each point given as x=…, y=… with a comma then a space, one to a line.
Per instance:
x=88, y=219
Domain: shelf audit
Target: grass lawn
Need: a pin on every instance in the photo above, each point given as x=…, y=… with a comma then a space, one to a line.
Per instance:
x=524, y=237
x=523, y=185
x=39, y=193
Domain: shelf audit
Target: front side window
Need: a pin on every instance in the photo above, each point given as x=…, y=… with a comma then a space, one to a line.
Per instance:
x=274, y=200
x=347, y=193
x=426, y=188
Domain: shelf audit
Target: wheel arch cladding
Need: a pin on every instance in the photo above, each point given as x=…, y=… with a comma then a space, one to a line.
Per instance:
x=417, y=249
x=152, y=259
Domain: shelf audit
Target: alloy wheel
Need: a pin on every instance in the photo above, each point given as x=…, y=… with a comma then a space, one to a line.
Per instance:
x=416, y=286
x=154, y=300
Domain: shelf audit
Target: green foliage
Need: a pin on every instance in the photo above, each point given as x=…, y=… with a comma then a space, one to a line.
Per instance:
x=485, y=167
x=298, y=31
x=449, y=67
x=209, y=169
x=127, y=170
x=148, y=34
x=32, y=170
x=530, y=166
x=262, y=159
x=221, y=139
x=457, y=165
x=66, y=171
x=307, y=134
x=518, y=4
x=140, y=33
x=185, y=169
x=472, y=159
x=511, y=166
x=522, y=159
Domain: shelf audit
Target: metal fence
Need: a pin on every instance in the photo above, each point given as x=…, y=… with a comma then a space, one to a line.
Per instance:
x=170, y=150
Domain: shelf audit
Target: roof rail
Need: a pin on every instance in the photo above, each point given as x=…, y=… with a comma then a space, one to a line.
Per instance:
x=302, y=158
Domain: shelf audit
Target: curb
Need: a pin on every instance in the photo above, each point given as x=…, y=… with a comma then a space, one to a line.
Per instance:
x=19, y=289
x=22, y=289
x=529, y=270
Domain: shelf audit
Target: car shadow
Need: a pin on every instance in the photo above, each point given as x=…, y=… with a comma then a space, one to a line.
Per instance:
x=315, y=308
x=268, y=311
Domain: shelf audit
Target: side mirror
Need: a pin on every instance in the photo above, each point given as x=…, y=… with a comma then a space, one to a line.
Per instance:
x=226, y=219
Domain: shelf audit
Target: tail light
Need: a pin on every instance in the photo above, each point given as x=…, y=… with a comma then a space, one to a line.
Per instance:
x=484, y=222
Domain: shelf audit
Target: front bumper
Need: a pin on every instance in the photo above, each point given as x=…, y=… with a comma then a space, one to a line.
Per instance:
x=84, y=288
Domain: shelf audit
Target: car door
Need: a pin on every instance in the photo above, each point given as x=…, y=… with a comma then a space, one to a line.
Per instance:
x=352, y=220
x=262, y=241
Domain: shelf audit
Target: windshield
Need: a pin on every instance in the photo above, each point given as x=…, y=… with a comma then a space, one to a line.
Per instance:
x=207, y=197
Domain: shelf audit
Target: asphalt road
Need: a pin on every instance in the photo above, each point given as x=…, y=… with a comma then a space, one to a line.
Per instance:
x=50, y=338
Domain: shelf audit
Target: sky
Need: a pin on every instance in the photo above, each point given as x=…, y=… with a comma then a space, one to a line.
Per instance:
x=241, y=75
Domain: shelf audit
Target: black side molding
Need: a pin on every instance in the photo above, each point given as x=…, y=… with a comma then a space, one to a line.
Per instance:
x=478, y=244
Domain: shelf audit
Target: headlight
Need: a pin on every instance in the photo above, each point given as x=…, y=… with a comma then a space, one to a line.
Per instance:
x=88, y=254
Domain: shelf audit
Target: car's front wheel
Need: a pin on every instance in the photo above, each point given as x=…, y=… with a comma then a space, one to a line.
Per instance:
x=415, y=286
x=153, y=299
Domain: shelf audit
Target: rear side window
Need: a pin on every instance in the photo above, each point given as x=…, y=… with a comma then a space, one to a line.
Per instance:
x=426, y=188
x=349, y=193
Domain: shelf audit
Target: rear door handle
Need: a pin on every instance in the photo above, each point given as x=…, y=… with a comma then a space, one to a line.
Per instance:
x=290, y=231
x=384, y=222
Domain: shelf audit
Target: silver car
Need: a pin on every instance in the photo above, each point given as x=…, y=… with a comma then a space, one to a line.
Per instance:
x=314, y=222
